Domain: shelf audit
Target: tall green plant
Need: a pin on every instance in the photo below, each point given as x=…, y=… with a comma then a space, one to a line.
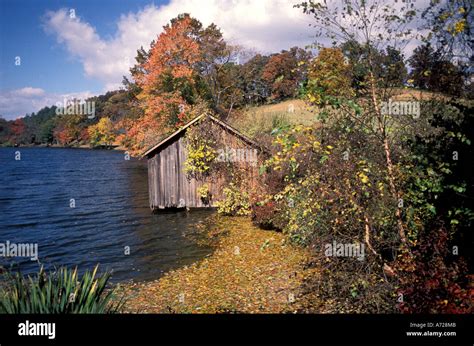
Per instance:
x=59, y=292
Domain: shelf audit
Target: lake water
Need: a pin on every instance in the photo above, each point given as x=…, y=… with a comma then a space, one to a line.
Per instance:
x=109, y=199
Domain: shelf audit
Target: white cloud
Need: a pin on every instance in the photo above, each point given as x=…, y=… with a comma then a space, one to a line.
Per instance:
x=17, y=103
x=29, y=92
x=263, y=25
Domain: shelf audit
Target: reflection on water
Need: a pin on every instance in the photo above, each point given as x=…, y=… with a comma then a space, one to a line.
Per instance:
x=111, y=213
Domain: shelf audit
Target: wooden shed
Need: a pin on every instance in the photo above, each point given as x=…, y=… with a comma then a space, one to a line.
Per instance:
x=170, y=186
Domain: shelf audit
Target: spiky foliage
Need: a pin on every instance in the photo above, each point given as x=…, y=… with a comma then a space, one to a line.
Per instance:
x=57, y=292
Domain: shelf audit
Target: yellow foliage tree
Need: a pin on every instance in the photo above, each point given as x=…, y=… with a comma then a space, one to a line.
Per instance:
x=328, y=76
x=102, y=133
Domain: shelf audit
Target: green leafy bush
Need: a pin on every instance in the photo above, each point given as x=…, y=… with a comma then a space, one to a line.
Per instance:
x=440, y=214
x=333, y=185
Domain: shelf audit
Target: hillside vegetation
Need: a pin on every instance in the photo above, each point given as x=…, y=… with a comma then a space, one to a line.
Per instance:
x=263, y=119
x=254, y=120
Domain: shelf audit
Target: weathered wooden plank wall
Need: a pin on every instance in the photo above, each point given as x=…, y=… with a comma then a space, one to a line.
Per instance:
x=169, y=186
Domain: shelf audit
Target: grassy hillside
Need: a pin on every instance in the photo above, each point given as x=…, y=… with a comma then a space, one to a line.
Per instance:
x=262, y=119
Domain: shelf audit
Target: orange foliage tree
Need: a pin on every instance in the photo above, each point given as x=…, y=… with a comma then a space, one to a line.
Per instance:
x=285, y=72
x=68, y=129
x=17, y=130
x=168, y=82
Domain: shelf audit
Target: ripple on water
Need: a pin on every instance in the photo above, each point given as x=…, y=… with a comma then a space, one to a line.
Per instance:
x=111, y=213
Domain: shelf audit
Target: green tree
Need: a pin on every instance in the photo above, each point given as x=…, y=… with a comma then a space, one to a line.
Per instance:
x=432, y=72
x=422, y=62
x=394, y=69
x=255, y=88
x=357, y=54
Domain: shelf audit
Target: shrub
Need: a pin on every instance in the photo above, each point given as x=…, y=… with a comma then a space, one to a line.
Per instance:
x=318, y=197
x=439, y=214
x=235, y=202
x=204, y=194
x=59, y=292
x=333, y=186
x=264, y=214
x=432, y=281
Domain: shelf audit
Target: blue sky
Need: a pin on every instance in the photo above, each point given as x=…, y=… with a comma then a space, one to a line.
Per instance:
x=46, y=64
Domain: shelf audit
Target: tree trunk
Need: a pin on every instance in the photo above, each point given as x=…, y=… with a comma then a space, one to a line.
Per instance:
x=388, y=159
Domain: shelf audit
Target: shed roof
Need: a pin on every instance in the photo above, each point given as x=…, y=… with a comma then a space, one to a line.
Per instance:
x=194, y=121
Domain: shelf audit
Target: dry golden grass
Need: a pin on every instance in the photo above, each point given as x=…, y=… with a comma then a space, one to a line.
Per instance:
x=262, y=119
x=254, y=121
x=409, y=94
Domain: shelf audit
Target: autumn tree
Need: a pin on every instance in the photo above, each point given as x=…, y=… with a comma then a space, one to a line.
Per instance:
x=62, y=134
x=168, y=77
x=328, y=76
x=166, y=81
x=68, y=128
x=17, y=131
x=285, y=74
x=178, y=73
x=102, y=133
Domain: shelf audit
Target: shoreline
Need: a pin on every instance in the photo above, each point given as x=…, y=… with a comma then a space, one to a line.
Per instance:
x=250, y=271
x=56, y=146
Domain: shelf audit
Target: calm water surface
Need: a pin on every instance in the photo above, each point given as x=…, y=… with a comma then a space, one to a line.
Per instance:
x=111, y=212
